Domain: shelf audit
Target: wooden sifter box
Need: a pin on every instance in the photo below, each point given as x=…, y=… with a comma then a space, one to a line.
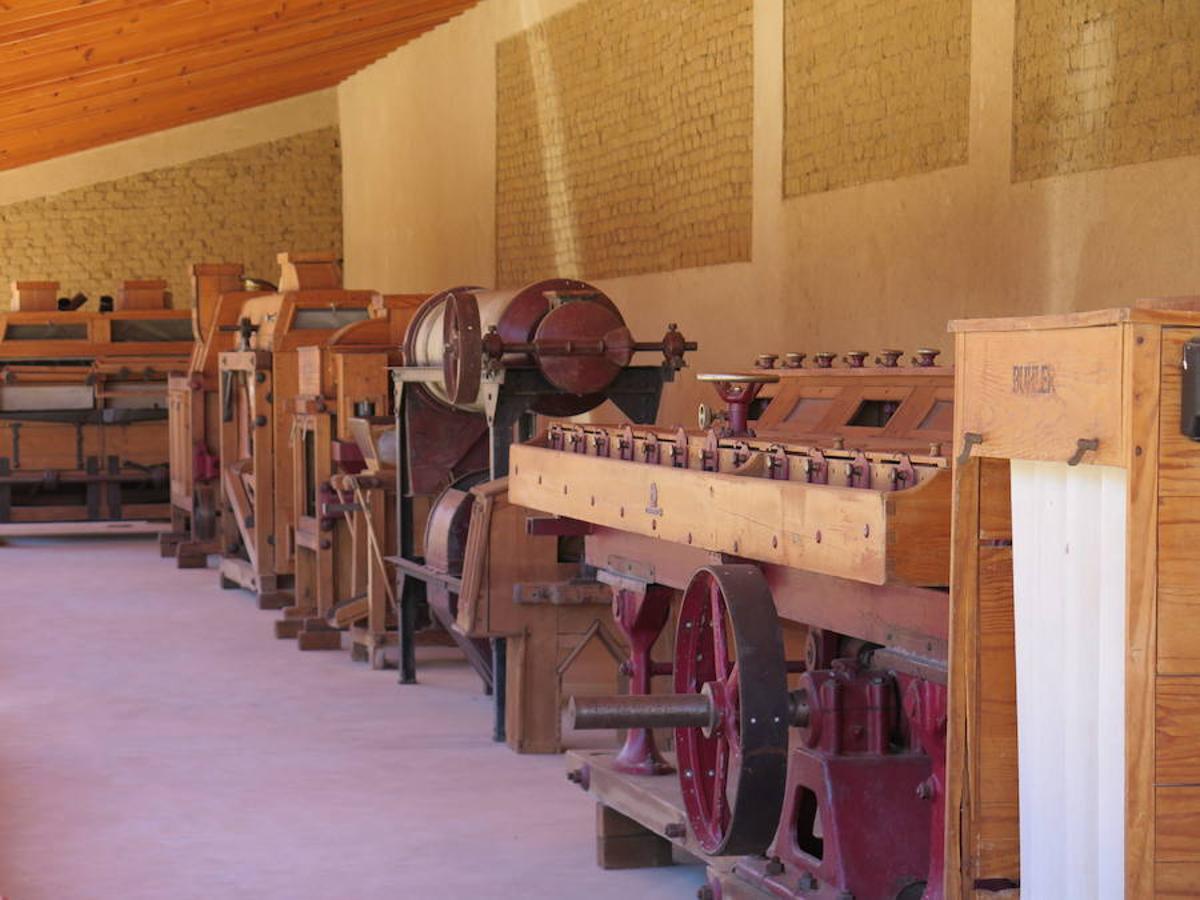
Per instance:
x=1074, y=739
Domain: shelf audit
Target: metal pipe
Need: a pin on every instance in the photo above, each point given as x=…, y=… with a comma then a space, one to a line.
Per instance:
x=641, y=711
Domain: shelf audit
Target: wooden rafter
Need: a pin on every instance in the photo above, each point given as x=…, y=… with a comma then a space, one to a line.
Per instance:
x=82, y=73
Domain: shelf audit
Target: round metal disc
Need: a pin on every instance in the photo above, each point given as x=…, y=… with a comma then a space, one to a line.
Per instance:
x=412, y=332
x=462, y=361
x=519, y=321
x=581, y=320
x=733, y=776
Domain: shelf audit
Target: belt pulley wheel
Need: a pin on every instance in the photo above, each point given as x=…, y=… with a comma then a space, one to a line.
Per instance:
x=729, y=647
x=462, y=360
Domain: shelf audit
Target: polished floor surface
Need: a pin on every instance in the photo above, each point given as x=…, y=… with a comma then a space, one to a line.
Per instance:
x=157, y=742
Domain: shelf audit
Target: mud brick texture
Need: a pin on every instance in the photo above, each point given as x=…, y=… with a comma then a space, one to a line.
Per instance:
x=874, y=90
x=243, y=206
x=624, y=140
x=1103, y=83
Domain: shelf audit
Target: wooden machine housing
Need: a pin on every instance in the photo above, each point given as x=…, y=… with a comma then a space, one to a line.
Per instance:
x=1096, y=388
x=194, y=410
x=343, y=521
x=494, y=574
x=867, y=561
x=258, y=383
x=83, y=434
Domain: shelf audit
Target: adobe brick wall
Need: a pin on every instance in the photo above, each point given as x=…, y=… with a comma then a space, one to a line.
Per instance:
x=874, y=90
x=636, y=158
x=242, y=206
x=1102, y=83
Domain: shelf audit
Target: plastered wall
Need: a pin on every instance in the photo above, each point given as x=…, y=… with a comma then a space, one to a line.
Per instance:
x=239, y=189
x=883, y=263
x=625, y=150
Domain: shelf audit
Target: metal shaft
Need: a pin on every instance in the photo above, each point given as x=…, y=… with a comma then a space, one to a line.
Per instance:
x=641, y=711
x=661, y=711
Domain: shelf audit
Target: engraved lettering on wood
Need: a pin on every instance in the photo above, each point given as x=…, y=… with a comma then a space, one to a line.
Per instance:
x=1033, y=380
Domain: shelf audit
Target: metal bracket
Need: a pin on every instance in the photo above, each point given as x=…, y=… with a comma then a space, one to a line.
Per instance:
x=970, y=439
x=1082, y=447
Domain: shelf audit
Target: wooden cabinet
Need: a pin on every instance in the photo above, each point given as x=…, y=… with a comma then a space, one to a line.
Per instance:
x=1032, y=390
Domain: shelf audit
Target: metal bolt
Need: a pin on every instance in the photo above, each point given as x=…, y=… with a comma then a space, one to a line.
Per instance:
x=260, y=421
x=687, y=774
x=260, y=377
x=924, y=791
x=807, y=882
x=773, y=866
x=753, y=720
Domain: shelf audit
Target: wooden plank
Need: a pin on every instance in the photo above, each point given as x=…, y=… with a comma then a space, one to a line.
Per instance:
x=1141, y=361
x=1176, y=880
x=1088, y=319
x=918, y=535
x=53, y=106
x=1178, y=589
x=1176, y=730
x=997, y=803
x=1177, y=825
x=831, y=530
x=1034, y=395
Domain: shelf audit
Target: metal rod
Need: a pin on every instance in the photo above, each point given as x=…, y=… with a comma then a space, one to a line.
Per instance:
x=641, y=711
x=661, y=711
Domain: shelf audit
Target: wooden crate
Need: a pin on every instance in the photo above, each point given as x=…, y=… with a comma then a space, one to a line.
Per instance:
x=1034, y=389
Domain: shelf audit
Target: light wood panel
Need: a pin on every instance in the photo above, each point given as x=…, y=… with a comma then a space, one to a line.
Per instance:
x=1177, y=730
x=83, y=74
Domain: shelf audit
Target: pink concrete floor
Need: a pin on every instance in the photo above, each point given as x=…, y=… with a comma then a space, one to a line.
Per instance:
x=157, y=742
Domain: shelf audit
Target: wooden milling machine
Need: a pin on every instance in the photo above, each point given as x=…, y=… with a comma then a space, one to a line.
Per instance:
x=804, y=557
x=83, y=408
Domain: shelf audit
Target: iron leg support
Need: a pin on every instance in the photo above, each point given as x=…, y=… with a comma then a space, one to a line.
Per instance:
x=499, y=683
x=407, y=626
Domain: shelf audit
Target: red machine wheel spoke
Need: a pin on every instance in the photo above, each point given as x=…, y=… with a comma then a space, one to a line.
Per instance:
x=720, y=645
x=720, y=803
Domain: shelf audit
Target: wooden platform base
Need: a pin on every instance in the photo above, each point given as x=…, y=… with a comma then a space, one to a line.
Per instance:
x=319, y=639
x=371, y=648
x=63, y=529
x=654, y=802
x=238, y=573
x=169, y=541
x=190, y=555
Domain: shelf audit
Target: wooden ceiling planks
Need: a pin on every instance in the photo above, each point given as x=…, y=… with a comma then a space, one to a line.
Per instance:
x=83, y=73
